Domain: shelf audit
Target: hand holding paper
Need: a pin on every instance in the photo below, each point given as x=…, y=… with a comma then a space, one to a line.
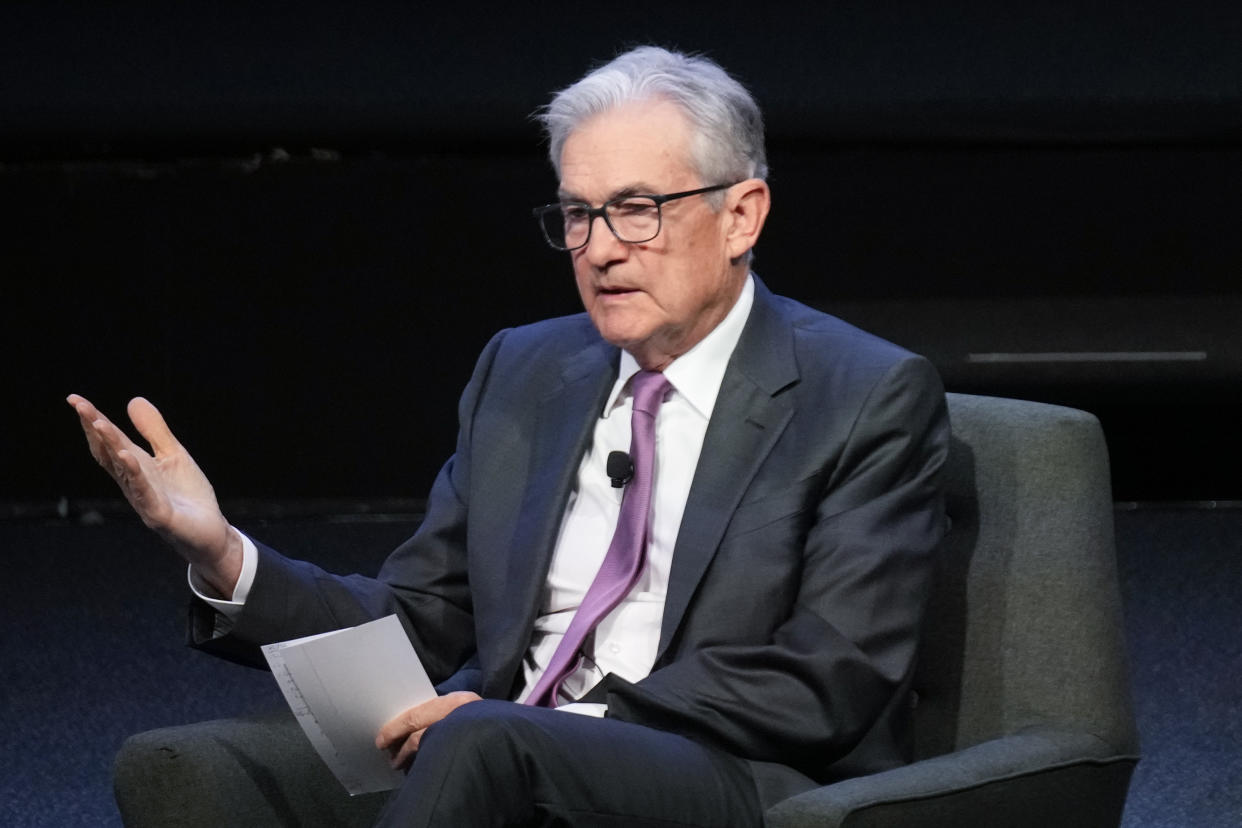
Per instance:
x=401, y=736
x=344, y=686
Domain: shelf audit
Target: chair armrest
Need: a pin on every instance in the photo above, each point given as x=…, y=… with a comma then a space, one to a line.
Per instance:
x=256, y=770
x=1036, y=778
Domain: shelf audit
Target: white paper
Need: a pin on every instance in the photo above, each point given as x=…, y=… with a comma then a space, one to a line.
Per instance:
x=343, y=686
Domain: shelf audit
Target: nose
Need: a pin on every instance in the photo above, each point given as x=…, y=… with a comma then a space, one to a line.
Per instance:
x=603, y=247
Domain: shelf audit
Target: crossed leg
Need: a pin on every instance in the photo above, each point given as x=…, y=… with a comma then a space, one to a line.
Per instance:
x=494, y=763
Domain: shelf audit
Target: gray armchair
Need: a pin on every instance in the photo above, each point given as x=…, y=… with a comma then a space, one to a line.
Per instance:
x=1023, y=713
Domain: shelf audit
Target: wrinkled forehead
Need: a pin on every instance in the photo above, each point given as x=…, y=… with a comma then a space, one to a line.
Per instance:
x=638, y=146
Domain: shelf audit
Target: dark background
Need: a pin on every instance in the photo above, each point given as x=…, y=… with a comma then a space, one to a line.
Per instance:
x=293, y=226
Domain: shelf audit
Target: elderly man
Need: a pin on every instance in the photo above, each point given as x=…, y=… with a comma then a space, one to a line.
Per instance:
x=676, y=567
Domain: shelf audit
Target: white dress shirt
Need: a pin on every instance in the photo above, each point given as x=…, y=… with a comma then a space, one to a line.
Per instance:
x=626, y=639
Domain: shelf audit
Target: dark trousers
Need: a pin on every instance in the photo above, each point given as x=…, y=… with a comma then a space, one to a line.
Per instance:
x=493, y=763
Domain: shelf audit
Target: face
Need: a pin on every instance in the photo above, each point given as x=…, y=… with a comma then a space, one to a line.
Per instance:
x=659, y=298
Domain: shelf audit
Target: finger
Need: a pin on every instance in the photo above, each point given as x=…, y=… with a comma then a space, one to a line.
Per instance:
x=138, y=489
x=96, y=424
x=421, y=716
x=103, y=438
x=87, y=414
x=151, y=425
x=77, y=402
x=398, y=729
x=405, y=755
x=124, y=462
x=113, y=440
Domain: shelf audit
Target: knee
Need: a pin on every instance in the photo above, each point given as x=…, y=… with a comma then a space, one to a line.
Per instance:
x=479, y=753
x=491, y=741
x=486, y=727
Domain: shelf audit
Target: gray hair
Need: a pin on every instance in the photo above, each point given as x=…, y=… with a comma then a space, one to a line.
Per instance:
x=727, y=127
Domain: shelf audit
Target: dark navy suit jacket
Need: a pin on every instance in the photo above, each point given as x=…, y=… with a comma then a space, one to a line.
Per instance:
x=801, y=569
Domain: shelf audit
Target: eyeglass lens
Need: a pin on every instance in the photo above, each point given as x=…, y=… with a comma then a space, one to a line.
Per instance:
x=635, y=219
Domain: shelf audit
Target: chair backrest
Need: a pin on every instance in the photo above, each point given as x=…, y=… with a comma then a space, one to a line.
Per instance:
x=1024, y=627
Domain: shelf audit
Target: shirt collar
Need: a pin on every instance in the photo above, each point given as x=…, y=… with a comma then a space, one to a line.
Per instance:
x=696, y=375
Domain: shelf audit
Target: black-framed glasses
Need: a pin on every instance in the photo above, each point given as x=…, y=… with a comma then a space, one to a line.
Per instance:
x=633, y=218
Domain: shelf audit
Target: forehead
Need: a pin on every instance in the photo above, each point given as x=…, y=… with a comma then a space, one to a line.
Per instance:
x=641, y=145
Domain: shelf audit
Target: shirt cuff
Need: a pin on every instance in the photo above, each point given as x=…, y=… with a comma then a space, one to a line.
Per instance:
x=585, y=709
x=229, y=608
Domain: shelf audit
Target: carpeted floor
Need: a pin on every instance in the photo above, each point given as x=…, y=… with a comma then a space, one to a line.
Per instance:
x=91, y=651
x=1181, y=577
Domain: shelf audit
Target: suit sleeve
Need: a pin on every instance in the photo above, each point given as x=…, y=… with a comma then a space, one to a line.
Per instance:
x=839, y=664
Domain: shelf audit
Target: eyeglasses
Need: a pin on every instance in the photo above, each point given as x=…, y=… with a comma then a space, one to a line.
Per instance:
x=632, y=219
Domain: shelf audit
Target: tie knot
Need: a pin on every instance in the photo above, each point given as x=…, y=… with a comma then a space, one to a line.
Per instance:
x=648, y=388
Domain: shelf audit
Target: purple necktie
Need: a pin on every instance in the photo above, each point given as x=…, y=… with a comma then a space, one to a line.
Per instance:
x=628, y=549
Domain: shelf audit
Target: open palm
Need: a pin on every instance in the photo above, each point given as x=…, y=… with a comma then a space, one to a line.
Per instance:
x=165, y=486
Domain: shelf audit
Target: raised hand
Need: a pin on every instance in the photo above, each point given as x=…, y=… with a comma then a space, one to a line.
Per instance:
x=166, y=488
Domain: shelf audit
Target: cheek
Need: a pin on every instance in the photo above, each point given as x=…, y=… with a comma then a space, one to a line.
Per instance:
x=679, y=288
x=582, y=282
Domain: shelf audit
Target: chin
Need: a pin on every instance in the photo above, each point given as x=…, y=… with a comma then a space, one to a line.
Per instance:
x=619, y=330
x=620, y=340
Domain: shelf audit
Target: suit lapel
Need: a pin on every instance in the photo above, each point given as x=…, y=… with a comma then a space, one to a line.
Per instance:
x=750, y=414
x=565, y=421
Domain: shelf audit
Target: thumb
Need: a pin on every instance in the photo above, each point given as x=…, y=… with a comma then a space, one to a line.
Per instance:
x=150, y=424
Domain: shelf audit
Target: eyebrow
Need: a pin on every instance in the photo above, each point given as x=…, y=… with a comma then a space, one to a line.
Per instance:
x=624, y=192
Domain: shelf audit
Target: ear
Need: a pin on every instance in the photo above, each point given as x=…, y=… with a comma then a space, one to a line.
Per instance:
x=747, y=208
